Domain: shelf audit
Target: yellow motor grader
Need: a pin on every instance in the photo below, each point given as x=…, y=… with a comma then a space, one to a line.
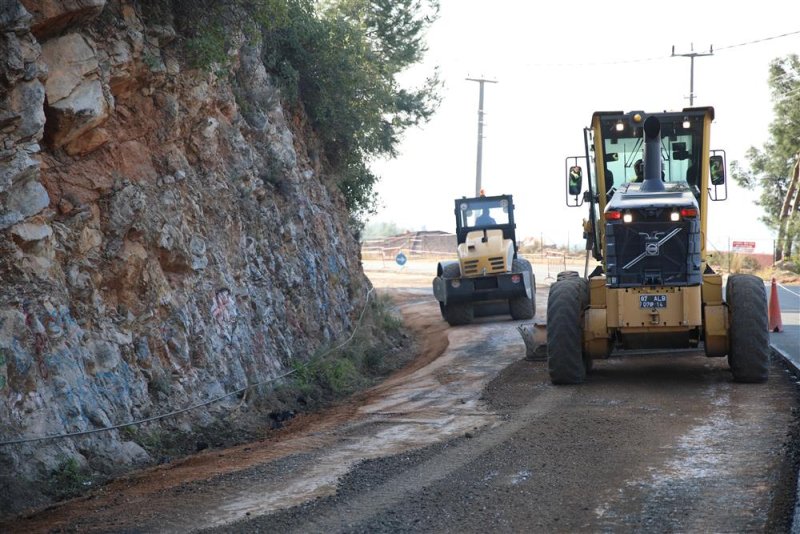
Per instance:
x=650, y=179
x=488, y=277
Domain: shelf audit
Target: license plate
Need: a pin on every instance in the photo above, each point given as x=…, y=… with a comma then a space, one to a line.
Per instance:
x=652, y=301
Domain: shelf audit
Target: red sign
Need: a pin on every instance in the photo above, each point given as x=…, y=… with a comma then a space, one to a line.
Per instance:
x=744, y=246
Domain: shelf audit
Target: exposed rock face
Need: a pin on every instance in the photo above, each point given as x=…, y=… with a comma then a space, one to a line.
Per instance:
x=53, y=16
x=162, y=246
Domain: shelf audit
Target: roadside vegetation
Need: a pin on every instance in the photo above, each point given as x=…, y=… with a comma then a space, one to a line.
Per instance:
x=379, y=346
x=337, y=60
x=771, y=168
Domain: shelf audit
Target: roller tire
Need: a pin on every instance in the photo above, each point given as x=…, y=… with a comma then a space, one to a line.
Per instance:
x=458, y=314
x=565, y=310
x=452, y=270
x=748, y=333
x=523, y=307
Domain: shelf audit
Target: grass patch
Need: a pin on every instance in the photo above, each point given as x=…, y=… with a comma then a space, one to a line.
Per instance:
x=68, y=480
x=378, y=346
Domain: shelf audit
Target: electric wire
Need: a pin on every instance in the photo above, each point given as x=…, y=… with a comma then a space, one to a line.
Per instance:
x=195, y=406
x=659, y=58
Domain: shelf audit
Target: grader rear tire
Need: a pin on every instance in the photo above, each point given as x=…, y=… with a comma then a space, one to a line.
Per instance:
x=563, y=275
x=565, y=308
x=749, y=352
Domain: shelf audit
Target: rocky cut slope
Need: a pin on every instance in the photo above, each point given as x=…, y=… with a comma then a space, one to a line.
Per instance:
x=166, y=235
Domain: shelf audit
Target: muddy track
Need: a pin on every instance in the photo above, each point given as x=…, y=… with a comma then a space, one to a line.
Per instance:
x=652, y=443
x=472, y=437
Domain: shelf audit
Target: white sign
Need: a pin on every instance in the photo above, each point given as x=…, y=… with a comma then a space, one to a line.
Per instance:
x=744, y=247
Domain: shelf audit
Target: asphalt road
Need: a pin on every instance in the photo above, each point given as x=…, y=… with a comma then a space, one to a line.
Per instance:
x=787, y=343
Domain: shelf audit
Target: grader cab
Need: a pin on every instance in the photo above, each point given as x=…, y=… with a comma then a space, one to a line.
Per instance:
x=650, y=178
x=487, y=278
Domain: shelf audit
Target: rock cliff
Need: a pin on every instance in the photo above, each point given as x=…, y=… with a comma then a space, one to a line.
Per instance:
x=167, y=235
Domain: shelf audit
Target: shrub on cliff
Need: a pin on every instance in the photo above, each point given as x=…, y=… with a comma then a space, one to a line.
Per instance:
x=340, y=60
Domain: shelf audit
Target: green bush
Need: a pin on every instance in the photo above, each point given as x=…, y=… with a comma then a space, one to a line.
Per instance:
x=378, y=346
x=337, y=60
x=68, y=480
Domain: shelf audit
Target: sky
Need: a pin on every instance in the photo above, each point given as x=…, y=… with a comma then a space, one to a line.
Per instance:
x=555, y=66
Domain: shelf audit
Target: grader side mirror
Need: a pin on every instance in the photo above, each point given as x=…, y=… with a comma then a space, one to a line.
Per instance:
x=575, y=185
x=717, y=170
x=718, y=189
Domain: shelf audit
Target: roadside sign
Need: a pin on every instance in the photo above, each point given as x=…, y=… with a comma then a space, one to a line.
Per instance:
x=401, y=259
x=744, y=247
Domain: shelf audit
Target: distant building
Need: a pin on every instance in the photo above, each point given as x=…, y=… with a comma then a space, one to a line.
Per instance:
x=430, y=243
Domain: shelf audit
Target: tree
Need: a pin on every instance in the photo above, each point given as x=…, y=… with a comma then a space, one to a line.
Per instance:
x=771, y=167
x=339, y=61
x=342, y=61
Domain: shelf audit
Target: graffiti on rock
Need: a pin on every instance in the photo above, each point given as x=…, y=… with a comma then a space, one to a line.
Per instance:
x=224, y=312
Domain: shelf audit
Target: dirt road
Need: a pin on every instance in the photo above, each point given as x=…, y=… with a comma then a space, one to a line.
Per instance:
x=473, y=437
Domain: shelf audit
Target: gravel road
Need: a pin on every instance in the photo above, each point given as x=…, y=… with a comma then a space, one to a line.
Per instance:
x=662, y=442
x=472, y=437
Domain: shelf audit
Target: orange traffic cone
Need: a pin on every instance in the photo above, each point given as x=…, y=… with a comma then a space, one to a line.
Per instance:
x=775, y=321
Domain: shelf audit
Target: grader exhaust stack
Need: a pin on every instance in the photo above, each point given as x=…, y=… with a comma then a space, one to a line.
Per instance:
x=652, y=156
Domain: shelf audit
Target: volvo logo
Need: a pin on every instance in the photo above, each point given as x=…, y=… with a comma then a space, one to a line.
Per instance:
x=654, y=240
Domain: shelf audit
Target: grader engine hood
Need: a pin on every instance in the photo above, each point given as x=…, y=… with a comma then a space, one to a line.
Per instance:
x=485, y=252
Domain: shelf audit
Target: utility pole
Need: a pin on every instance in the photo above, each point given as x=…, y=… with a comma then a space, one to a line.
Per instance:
x=691, y=55
x=479, y=163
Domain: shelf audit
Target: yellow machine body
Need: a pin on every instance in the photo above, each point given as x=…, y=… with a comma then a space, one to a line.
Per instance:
x=484, y=253
x=615, y=316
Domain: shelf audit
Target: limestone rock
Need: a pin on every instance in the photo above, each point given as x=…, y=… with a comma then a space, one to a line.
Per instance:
x=19, y=168
x=70, y=60
x=88, y=142
x=84, y=109
x=13, y=16
x=75, y=97
x=24, y=200
x=51, y=17
x=132, y=453
x=27, y=101
x=32, y=231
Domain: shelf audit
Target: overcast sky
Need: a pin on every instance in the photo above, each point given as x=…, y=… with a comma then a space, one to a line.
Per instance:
x=555, y=67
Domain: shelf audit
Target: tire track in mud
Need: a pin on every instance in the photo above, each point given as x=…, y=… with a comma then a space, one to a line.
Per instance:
x=360, y=509
x=435, y=398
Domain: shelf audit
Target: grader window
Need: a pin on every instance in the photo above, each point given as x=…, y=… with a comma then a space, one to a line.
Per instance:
x=680, y=151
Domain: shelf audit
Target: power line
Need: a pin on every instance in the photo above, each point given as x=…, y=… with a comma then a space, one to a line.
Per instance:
x=746, y=43
x=657, y=58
